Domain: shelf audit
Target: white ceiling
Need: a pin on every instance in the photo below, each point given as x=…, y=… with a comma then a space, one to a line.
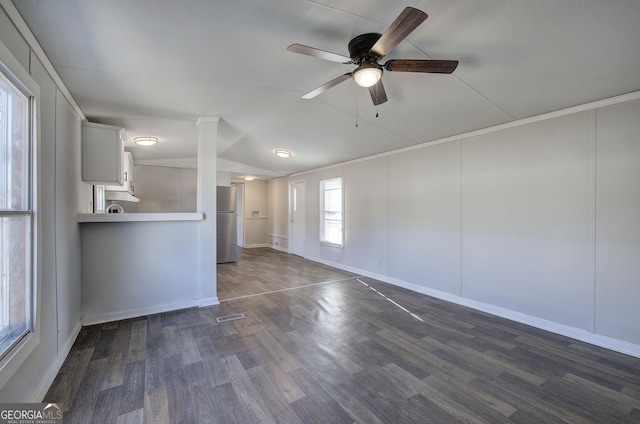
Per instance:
x=155, y=66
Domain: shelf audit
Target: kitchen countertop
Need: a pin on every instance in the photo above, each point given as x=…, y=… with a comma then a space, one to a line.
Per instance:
x=137, y=217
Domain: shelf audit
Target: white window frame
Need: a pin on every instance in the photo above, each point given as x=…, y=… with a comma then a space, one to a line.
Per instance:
x=20, y=351
x=323, y=212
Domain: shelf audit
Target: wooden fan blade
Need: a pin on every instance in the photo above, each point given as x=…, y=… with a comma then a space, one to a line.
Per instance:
x=326, y=86
x=428, y=66
x=405, y=23
x=378, y=95
x=322, y=54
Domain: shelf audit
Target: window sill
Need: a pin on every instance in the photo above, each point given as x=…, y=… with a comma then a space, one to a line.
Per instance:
x=16, y=357
x=326, y=243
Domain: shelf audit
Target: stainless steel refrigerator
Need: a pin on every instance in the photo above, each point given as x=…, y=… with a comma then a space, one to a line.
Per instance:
x=227, y=225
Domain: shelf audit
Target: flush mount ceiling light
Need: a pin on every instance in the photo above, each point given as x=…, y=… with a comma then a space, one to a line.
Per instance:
x=145, y=141
x=249, y=178
x=283, y=153
x=367, y=74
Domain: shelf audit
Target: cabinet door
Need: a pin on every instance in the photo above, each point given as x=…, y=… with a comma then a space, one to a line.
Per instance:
x=102, y=154
x=128, y=169
x=127, y=176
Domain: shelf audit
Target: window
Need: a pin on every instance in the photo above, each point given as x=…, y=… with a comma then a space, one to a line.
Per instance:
x=331, y=215
x=16, y=213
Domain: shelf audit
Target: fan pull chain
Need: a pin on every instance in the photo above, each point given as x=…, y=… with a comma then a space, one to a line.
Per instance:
x=356, y=111
x=377, y=112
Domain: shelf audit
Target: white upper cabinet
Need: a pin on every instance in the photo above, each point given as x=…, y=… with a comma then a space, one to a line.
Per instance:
x=102, y=154
x=127, y=176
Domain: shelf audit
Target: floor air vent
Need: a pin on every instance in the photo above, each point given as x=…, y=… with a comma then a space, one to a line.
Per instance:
x=228, y=318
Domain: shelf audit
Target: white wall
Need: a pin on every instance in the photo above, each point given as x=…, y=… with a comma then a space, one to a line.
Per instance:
x=71, y=198
x=527, y=219
x=61, y=196
x=424, y=223
x=163, y=189
x=366, y=242
x=223, y=178
x=133, y=269
x=255, y=200
x=536, y=221
x=617, y=265
x=278, y=212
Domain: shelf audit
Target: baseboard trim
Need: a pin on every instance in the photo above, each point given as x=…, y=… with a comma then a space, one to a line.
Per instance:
x=149, y=310
x=209, y=301
x=255, y=245
x=617, y=345
x=282, y=249
x=55, y=367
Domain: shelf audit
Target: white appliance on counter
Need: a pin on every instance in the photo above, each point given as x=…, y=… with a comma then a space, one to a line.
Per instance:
x=226, y=228
x=115, y=208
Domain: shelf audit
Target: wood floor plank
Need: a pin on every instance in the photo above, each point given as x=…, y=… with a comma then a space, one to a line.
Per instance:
x=189, y=348
x=133, y=387
x=417, y=386
x=484, y=406
x=246, y=392
x=427, y=360
x=154, y=366
x=527, y=410
x=317, y=406
x=320, y=346
x=156, y=406
x=278, y=405
x=133, y=417
x=138, y=342
x=66, y=384
x=285, y=361
x=181, y=405
x=107, y=405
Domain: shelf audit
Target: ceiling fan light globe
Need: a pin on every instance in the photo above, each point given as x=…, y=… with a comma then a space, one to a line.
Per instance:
x=367, y=75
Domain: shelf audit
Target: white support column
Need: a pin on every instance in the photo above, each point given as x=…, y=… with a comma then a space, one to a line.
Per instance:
x=206, y=203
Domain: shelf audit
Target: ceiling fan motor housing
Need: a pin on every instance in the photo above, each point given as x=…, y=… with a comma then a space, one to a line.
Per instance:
x=360, y=46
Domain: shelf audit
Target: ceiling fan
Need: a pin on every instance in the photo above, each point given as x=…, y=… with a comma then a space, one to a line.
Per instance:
x=367, y=49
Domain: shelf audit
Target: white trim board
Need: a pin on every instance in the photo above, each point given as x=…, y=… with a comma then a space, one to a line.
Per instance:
x=149, y=310
x=54, y=369
x=525, y=121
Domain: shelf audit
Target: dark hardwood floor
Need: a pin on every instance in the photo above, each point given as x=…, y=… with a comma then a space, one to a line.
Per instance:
x=338, y=349
x=265, y=270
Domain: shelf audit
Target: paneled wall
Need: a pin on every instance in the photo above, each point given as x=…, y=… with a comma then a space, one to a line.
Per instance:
x=61, y=196
x=123, y=277
x=278, y=210
x=163, y=189
x=256, y=209
x=424, y=211
x=617, y=249
x=527, y=219
x=536, y=221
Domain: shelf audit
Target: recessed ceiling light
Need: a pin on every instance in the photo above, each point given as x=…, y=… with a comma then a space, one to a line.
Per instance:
x=145, y=141
x=283, y=153
x=249, y=178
